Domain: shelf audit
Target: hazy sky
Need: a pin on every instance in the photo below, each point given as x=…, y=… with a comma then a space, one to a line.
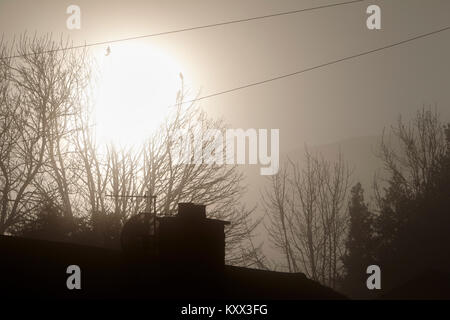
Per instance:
x=353, y=98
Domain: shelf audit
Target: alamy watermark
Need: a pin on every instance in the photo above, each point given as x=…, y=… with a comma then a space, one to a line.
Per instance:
x=229, y=146
x=73, y=22
x=373, y=22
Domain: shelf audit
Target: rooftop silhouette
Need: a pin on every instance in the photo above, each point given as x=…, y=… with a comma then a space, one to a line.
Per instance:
x=183, y=258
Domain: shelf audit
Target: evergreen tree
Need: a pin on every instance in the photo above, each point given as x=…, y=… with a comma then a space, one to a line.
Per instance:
x=359, y=245
x=48, y=224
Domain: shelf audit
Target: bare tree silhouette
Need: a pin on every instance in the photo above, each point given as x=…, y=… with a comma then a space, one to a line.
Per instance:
x=307, y=218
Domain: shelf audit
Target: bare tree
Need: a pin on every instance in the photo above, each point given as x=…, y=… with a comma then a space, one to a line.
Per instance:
x=307, y=216
x=332, y=200
x=411, y=152
x=22, y=143
x=45, y=82
x=275, y=202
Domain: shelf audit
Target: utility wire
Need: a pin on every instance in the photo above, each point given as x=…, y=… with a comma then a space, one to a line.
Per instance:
x=253, y=84
x=185, y=29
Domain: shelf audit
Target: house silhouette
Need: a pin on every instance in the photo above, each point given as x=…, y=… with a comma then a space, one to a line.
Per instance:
x=183, y=258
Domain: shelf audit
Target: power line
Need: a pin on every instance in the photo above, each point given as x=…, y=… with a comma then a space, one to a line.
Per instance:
x=213, y=25
x=253, y=84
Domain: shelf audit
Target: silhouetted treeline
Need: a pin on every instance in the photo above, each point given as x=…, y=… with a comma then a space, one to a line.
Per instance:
x=324, y=228
x=407, y=233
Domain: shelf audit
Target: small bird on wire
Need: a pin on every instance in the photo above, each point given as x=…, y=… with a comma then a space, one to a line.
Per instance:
x=108, y=51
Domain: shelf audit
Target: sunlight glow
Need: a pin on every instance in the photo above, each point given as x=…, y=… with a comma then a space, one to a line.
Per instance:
x=137, y=86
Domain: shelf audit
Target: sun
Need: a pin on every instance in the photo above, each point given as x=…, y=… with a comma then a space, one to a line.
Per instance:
x=137, y=84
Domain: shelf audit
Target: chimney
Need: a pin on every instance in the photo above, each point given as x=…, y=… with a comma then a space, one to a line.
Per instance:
x=191, y=211
x=191, y=242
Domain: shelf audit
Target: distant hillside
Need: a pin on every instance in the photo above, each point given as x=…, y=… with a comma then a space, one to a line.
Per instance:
x=359, y=152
